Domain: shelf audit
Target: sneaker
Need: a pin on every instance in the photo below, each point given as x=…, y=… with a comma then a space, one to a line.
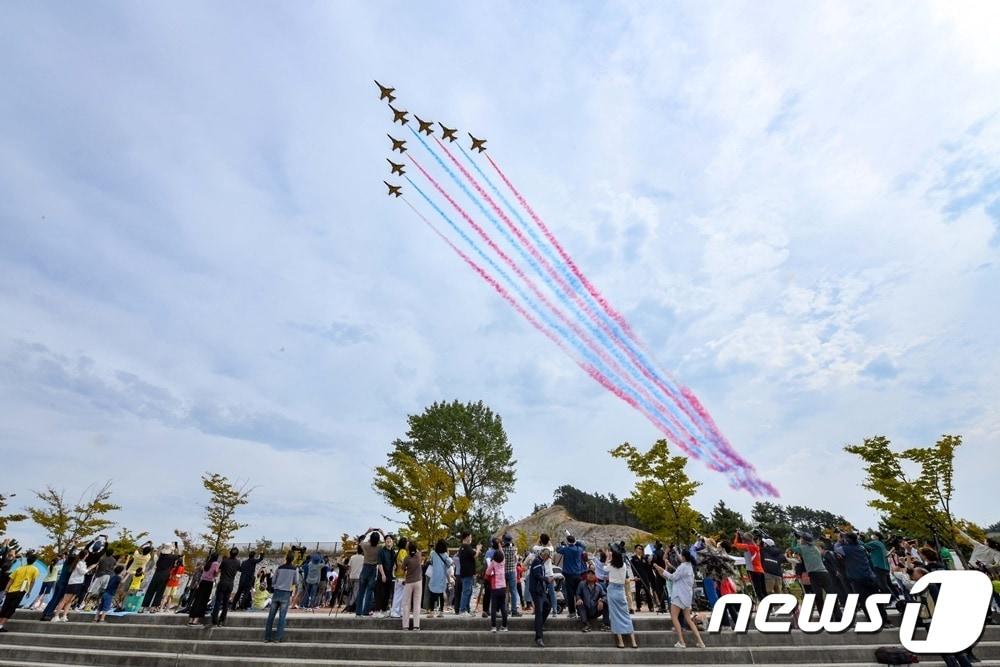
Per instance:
x=517, y=614
x=540, y=643
x=586, y=628
x=680, y=645
x=493, y=629
x=503, y=629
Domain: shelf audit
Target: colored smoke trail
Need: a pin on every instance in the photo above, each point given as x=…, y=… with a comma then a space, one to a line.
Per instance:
x=643, y=377
x=622, y=322
x=626, y=340
x=590, y=367
x=630, y=366
x=690, y=446
x=687, y=400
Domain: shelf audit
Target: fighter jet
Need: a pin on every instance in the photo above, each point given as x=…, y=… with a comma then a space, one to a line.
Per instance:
x=386, y=92
x=394, y=189
x=425, y=125
x=398, y=115
x=397, y=144
x=447, y=133
x=477, y=144
x=396, y=168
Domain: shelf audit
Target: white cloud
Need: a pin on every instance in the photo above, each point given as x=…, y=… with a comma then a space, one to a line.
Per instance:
x=791, y=203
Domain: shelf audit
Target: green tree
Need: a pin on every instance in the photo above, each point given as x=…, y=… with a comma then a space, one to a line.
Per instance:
x=595, y=507
x=126, y=541
x=817, y=522
x=662, y=495
x=918, y=506
x=423, y=492
x=66, y=523
x=772, y=519
x=8, y=518
x=724, y=521
x=468, y=442
x=224, y=498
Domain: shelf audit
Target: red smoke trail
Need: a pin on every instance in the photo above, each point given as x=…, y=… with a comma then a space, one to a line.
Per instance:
x=593, y=372
x=693, y=448
x=715, y=434
x=718, y=454
x=598, y=297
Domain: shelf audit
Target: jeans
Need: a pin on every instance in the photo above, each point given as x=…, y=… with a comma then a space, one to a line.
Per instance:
x=553, y=605
x=310, y=599
x=542, y=607
x=366, y=590
x=57, y=596
x=571, y=582
x=498, y=601
x=222, y=593
x=279, y=601
x=588, y=614
x=515, y=600
x=467, y=585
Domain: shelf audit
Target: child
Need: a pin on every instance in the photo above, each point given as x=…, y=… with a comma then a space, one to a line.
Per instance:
x=135, y=594
x=496, y=575
x=109, y=593
x=173, y=583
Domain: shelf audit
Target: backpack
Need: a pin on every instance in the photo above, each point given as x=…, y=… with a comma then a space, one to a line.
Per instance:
x=894, y=655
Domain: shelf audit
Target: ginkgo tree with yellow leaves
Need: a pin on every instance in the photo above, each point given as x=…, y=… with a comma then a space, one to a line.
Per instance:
x=423, y=492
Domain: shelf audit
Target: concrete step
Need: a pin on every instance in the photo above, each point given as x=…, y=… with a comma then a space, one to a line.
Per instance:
x=477, y=634
x=410, y=644
x=175, y=660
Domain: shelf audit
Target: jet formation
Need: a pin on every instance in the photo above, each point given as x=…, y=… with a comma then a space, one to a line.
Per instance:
x=424, y=126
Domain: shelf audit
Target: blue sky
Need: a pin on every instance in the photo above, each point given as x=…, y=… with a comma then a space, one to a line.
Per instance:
x=797, y=207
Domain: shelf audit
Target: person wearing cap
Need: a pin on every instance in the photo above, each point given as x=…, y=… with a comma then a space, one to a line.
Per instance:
x=590, y=600
x=772, y=558
x=572, y=569
x=539, y=581
x=819, y=577
x=165, y=562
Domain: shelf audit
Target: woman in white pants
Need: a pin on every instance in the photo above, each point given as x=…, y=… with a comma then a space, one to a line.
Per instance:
x=402, y=553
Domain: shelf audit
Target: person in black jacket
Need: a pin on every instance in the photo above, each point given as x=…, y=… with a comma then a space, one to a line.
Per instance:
x=643, y=572
x=165, y=561
x=224, y=588
x=248, y=571
x=771, y=559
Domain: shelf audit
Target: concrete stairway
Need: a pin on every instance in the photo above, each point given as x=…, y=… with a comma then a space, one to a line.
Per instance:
x=316, y=639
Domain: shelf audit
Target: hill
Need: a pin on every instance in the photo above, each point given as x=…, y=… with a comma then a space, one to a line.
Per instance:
x=555, y=521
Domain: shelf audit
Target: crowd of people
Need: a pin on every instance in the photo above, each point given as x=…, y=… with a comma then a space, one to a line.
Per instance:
x=395, y=576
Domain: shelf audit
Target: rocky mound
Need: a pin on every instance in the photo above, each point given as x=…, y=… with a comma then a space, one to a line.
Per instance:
x=556, y=521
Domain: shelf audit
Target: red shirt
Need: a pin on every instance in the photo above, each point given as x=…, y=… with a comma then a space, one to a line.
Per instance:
x=175, y=576
x=755, y=565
